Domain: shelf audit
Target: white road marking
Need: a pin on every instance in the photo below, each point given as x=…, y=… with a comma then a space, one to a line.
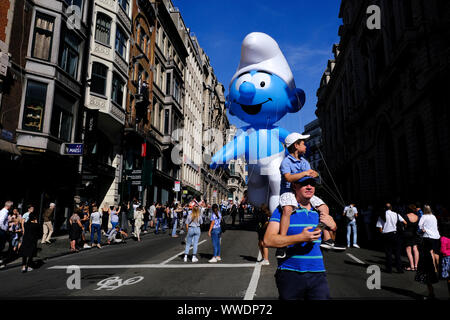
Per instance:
x=178, y=254
x=160, y=266
x=356, y=259
x=251, y=290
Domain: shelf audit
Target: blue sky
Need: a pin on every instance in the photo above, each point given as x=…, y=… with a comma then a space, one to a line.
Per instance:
x=305, y=31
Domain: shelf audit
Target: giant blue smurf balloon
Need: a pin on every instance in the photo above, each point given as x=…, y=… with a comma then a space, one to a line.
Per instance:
x=261, y=92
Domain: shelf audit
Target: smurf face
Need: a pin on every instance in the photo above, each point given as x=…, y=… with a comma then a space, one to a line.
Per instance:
x=261, y=98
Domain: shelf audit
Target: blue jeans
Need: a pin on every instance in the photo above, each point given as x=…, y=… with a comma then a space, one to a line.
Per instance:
x=159, y=222
x=174, y=230
x=215, y=236
x=96, y=228
x=114, y=224
x=192, y=236
x=352, y=225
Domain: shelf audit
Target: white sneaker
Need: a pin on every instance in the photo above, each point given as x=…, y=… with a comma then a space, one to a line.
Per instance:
x=265, y=262
x=213, y=260
x=194, y=259
x=355, y=245
x=185, y=258
x=218, y=258
x=86, y=246
x=29, y=269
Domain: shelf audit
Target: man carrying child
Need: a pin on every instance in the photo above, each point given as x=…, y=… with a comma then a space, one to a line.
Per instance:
x=293, y=168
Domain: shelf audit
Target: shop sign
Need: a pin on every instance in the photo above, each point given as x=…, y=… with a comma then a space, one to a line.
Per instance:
x=177, y=186
x=73, y=149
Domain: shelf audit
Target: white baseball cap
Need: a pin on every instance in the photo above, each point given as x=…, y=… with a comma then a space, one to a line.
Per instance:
x=293, y=137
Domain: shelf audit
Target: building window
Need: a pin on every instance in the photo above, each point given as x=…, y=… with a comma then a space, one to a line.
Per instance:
x=33, y=114
x=155, y=114
x=124, y=4
x=103, y=28
x=61, y=123
x=166, y=121
x=70, y=54
x=168, y=79
x=140, y=75
x=161, y=78
x=121, y=42
x=176, y=90
x=142, y=37
x=77, y=3
x=43, y=36
x=161, y=119
x=98, y=77
x=117, y=89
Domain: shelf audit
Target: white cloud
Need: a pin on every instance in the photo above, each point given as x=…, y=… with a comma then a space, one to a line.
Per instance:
x=307, y=60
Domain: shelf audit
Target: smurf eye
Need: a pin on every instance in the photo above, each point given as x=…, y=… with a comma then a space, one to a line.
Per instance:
x=261, y=80
x=245, y=77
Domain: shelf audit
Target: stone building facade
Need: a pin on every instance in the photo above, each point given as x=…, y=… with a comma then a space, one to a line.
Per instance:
x=168, y=99
x=192, y=130
x=140, y=147
x=106, y=96
x=215, y=129
x=42, y=100
x=383, y=106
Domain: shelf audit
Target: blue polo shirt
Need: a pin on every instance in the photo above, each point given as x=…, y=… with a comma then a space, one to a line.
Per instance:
x=291, y=165
x=305, y=256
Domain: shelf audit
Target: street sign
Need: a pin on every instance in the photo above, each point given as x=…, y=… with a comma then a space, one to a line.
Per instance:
x=177, y=186
x=135, y=177
x=73, y=149
x=215, y=194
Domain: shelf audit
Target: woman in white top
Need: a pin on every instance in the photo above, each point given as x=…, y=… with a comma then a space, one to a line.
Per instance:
x=138, y=221
x=429, y=250
x=95, y=226
x=428, y=224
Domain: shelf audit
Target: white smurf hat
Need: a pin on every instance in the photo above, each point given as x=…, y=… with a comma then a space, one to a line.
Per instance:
x=261, y=52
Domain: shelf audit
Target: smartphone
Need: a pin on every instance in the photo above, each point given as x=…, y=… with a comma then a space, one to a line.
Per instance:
x=321, y=226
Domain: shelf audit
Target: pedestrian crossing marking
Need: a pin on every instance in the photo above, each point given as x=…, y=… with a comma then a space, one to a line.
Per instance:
x=160, y=266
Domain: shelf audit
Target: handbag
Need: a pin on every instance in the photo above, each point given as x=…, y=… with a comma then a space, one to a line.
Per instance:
x=223, y=225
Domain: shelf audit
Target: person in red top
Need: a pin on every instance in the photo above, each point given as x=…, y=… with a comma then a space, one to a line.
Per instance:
x=445, y=250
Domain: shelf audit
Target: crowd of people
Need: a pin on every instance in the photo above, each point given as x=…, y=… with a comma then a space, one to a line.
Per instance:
x=89, y=223
x=419, y=233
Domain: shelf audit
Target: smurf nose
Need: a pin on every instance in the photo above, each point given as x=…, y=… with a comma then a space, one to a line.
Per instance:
x=247, y=91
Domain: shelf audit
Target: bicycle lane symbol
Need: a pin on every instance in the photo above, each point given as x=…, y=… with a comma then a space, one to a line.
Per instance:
x=114, y=283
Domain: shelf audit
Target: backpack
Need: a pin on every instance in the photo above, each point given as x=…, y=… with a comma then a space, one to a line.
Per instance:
x=350, y=214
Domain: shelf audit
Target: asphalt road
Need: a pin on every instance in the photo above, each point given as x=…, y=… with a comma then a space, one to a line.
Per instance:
x=154, y=269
